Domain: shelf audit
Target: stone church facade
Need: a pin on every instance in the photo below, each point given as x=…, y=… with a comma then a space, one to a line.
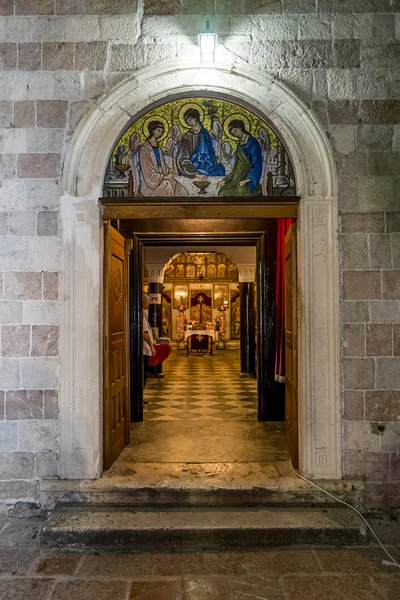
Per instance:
x=59, y=60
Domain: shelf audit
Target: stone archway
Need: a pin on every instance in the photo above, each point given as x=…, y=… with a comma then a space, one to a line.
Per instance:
x=81, y=259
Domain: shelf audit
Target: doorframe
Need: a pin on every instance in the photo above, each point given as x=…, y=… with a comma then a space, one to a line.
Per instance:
x=263, y=273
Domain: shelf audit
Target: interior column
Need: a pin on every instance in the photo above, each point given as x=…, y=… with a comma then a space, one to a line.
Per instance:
x=247, y=275
x=156, y=280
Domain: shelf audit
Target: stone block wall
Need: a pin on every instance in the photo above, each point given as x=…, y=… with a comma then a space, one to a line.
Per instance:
x=340, y=56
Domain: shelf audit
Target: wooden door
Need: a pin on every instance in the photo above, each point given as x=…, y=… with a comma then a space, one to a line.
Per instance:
x=291, y=344
x=116, y=345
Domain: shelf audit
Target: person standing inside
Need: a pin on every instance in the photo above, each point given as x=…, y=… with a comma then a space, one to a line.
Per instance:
x=148, y=343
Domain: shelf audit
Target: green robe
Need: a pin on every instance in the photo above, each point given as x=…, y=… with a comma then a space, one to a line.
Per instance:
x=239, y=172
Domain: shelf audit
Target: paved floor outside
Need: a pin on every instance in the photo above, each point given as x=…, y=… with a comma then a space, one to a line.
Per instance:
x=301, y=573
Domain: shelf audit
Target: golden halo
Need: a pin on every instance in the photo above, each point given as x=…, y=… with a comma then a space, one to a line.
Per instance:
x=185, y=107
x=163, y=120
x=233, y=117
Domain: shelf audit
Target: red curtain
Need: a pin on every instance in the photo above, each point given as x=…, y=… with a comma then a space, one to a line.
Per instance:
x=283, y=226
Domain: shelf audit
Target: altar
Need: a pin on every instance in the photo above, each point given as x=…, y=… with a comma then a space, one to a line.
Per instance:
x=210, y=332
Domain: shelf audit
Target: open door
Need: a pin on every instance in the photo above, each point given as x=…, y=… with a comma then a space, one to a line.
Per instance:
x=291, y=344
x=116, y=344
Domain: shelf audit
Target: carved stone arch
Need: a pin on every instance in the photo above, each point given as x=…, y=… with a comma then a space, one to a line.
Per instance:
x=81, y=257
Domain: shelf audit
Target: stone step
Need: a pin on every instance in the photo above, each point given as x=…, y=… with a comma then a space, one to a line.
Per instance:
x=79, y=526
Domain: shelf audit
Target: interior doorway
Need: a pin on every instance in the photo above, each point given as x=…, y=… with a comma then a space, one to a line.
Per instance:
x=264, y=408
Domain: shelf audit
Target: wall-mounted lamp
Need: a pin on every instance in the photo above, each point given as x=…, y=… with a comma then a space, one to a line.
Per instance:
x=207, y=44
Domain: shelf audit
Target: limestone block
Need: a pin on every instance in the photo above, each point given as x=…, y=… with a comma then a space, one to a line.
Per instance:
x=34, y=7
x=26, y=85
x=5, y=114
x=45, y=140
x=347, y=27
x=353, y=339
x=39, y=373
x=393, y=222
x=6, y=7
x=301, y=82
x=382, y=406
x=385, y=311
x=18, y=29
x=269, y=55
x=361, y=285
x=110, y=7
x=271, y=27
x=350, y=6
x=52, y=113
x=396, y=340
x=344, y=137
x=94, y=85
x=24, y=404
x=375, y=137
x=232, y=47
x=372, y=465
x=383, y=163
x=82, y=29
x=12, y=195
x=353, y=405
x=315, y=27
x=388, y=373
x=320, y=89
x=90, y=56
x=125, y=57
x=168, y=7
x=262, y=6
x=44, y=340
x=58, y=56
x=120, y=28
x=34, y=166
x=38, y=436
x=396, y=138
x=380, y=251
x=19, y=490
x=363, y=223
x=22, y=285
x=349, y=194
x=361, y=436
x=47, y=223
x=9, y=373
x=13, y=253
x=49, y=30
x=373, y=84
x=379, y=339
x=355, y=311
x=383, y=26
x=346, y=54
x=395, y=247
x=8, y=436
x=3, y=223
x=354, y=251
x=70, y=7
x=50, y=286
x=8, y=57
x=46, y=465
x=29, y=57
x=10, y=312
x=341, y=84
x=299, y=6
x=68, y=85
x=344, y=112
x=43, y=253
x=395, y=467
x=78, y=109
x=51, y=404
x=14, y=140
x=24, y=114
x=16, y=465
x=42, y=195
x=2, y=402
x=22, y=223
x=316, y=54
x=376, y=194
x=380, y=111
x=8, y=166
x=391, y=285
x=376, y=54
x=359, y=373
x=41, y=313
x=15, y=340
x=391, y=437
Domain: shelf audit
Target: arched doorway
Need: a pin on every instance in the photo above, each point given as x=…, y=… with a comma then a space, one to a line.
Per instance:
x=319, y=393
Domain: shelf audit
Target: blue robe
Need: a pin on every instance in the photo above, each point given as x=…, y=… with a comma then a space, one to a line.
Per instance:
x=253, y=152
x=204, y=159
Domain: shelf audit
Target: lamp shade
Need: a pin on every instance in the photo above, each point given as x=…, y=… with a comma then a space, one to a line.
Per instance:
x=207, y=44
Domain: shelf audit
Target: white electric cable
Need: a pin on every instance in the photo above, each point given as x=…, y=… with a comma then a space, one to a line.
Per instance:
x=393, y=562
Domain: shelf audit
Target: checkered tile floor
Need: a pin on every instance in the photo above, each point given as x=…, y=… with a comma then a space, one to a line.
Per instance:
x=201, y=387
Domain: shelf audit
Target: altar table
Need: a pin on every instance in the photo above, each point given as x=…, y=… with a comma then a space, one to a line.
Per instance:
x=199, y=332
x=200, y=342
